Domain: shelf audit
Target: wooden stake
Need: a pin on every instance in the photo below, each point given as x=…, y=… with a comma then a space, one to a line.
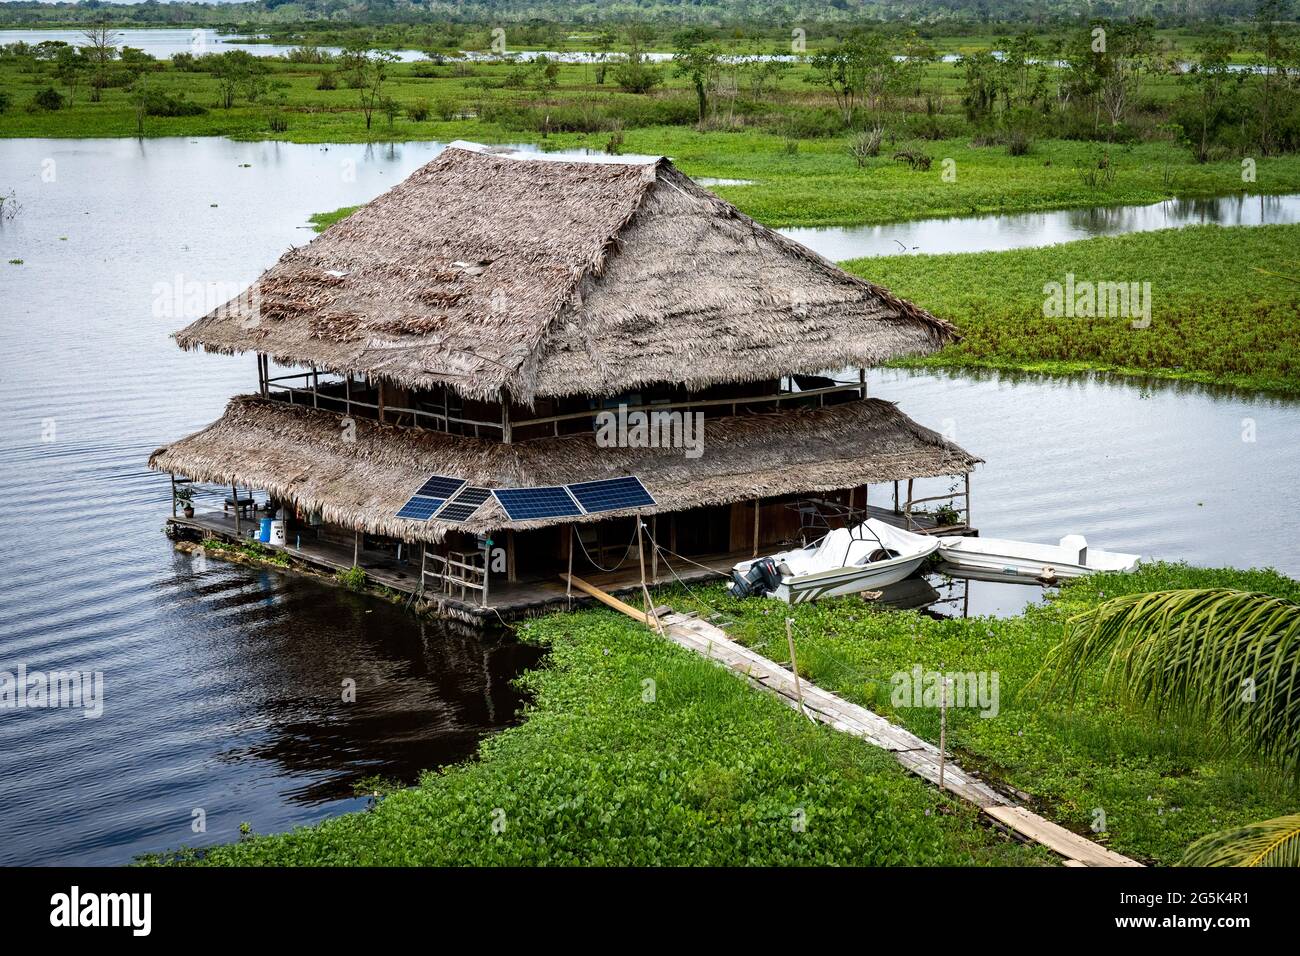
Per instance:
x=755, y=527
x=943, y=725
x=794, y=663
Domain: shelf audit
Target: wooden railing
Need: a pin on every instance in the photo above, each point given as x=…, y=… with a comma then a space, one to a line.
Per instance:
x=307, y=391
x=456, y=571
x=910, y=513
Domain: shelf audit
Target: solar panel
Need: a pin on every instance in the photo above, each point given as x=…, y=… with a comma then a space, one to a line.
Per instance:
x=420, y=508
x=467, y=501
x=521, y=504
x=611, y=494
x=440, y=486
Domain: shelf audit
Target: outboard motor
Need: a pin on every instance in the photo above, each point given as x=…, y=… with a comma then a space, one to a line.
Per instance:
x=758, y=580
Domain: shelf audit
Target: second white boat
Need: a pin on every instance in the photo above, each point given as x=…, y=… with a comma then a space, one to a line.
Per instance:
x=1025, y=559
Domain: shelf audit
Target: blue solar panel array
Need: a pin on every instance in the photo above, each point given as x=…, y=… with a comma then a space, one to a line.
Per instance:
x=440, y=486
x=522, y=504
x=420, y=508
x=611, y=494
x=454, y=500
x=467, y=501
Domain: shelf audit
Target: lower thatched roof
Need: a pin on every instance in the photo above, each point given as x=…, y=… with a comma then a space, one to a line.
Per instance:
x=360, y=477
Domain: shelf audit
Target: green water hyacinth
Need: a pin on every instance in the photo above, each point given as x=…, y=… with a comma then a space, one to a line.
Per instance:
x=1225, y=656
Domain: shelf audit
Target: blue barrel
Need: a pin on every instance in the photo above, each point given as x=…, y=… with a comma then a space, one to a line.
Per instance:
x=264, y=532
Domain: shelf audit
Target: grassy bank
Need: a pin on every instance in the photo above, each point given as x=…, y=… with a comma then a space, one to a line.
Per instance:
x=1214, y=317
x=707, y=772
x=1160, y=784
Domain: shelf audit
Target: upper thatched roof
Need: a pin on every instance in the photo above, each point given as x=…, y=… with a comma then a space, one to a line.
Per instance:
x=362, y=480
x=300, y=455
x=487, y=273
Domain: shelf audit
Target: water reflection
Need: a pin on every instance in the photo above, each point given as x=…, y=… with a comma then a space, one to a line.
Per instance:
x=994, y=232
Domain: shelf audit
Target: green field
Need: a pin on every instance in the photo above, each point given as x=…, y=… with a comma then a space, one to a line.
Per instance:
x=707, y=772
x=1161, y=783
x=1215, y=317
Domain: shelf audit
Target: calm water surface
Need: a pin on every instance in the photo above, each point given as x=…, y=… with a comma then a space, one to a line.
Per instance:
x=223, y=685
x=1024, y=230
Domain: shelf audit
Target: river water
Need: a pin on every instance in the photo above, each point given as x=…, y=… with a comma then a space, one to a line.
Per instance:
x=222, y=684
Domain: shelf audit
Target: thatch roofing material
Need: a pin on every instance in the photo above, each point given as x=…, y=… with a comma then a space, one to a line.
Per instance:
x=361, y=479
x=485, y=273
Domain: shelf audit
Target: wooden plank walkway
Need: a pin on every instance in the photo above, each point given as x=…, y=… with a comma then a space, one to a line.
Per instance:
x=917, y=755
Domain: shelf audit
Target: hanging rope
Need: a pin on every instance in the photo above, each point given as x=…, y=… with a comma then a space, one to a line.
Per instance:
x=626, y=554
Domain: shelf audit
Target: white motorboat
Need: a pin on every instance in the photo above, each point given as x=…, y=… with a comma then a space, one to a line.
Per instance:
x=1024, y=559
x=844, y=561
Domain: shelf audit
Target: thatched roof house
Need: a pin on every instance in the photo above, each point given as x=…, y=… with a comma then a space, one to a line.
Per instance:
x=471, y=325
x=491, y=275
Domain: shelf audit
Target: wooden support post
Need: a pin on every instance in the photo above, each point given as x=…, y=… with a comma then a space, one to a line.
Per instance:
x=315, y=388
x=895, y=496
x=380, y=400
x=645, y=591
x=568, y=590
x=356, y=549
x=173, y=476
x=794, y=663
x=756, y=501
x=234, y=496
x=654, y=555
x=862, y=381
x=505, y=419
x=968, y=524
x=510, y=555
x=347, y=394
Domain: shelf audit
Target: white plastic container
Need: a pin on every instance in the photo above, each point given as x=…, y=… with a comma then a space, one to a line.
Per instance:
x=277, y=533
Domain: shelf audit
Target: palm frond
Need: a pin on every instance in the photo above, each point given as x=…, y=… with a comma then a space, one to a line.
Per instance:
x=1230, y=658
x=1268, y=843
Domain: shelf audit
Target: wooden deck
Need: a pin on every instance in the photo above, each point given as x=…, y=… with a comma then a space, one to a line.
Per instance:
x=508, y=600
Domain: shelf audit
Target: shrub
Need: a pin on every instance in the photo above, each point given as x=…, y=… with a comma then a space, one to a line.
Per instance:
x=445, y=108
x=866, y=144
x=279, y=123
x=326, y=81
x=5, y=101
x=915, y=157
x=419, y=111
x=354, y=578
x=637, y=75
x=48, y=99
x=158, y=103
